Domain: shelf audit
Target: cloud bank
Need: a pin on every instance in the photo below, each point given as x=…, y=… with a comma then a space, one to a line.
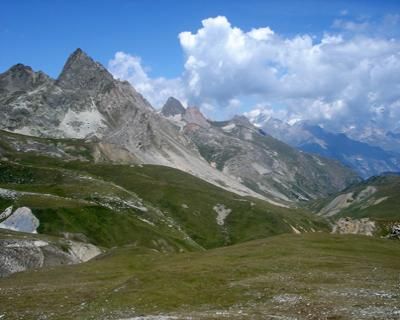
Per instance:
x=349, y=76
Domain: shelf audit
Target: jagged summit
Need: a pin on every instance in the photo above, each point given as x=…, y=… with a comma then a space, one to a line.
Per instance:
x=19, y=67
x=21, y=78
x=82, y=72
x=172, y=107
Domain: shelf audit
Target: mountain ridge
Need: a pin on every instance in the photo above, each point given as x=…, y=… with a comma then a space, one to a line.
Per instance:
x=86, y=102
x=275, y=168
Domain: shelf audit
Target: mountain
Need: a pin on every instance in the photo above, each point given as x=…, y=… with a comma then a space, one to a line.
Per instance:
x=86, y=102
x=172, y=107
x=388, y=140
x=79, y=104
x=71, y=192
x=271, y=168
x=365, y=159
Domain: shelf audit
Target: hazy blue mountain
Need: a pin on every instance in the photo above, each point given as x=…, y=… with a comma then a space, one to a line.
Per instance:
x=365, y=159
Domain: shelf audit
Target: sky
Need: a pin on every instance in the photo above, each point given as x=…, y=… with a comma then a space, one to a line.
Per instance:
x=335, y=63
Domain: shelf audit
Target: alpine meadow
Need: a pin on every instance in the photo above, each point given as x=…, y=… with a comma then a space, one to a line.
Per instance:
x=202, y=160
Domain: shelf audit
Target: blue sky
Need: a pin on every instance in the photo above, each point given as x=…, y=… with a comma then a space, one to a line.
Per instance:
x=42, y=33
x=335, y=63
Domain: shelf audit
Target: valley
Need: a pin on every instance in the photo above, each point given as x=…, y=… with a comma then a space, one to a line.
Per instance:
x=111, y=209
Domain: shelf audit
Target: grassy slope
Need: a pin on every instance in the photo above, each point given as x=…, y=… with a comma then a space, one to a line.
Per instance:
x=309, y=276
x=184, y=204
x=384, y=213
x=64, y=202
x=388, y=186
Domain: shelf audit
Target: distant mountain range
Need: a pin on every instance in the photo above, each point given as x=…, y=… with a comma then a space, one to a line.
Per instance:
x=388, y=140
x=367, y=160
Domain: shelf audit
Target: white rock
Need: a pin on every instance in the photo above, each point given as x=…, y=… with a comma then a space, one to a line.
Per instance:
x=83, y=251
x=222, y=213
x=21, y=220
x=354, y=226
x=6, y=213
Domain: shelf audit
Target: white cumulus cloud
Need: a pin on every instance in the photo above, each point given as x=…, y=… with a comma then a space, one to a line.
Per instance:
x=346, y=77
x=157, y=90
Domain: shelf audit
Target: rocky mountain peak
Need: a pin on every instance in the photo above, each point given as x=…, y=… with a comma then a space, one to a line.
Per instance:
x=21, y=78
x=172, y=107
x=82, y=72
x=20, y=68
x=242, y=121
x=194, y=116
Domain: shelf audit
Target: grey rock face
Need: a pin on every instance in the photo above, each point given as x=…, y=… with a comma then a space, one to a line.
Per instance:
x=21, y=78
x=84, y=101
x=16, y=84
x=18, y=254
x=193, y=115
x=83, y=73
x=172, y=107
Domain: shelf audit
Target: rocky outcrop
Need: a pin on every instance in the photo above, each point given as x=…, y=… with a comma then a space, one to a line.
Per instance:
x=363, y=226
x=20, y=254
x=395, y=232
x=20, y=251
x=6, y=213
